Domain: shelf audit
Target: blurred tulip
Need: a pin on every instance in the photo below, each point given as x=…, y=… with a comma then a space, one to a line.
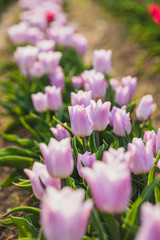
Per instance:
x=77, y=81
x=38, y=176
x=58, y=157
x=114, y=156
x=39, y=101
x=54, y=98
x=45, y=45
x=131, y=83
x=64, y=214
x=150, y=222
x=150, y=135
x=102, y=61
x=81, y=98
x=123, y=96
x=57, y=79
x=121, y=123
x=107, y=182
x=37, y=70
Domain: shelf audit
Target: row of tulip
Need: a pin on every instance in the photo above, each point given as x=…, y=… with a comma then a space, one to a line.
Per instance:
x=93, y=158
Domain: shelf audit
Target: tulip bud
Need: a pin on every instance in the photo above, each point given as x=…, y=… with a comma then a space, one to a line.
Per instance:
x=64, y=214
x=79, y=42
x=107, y=183
x=95, y=81
x=17, y=33
x=77, y=81
x=58, y=157
x=54, y=98
x=123, y=96
x=145, y=108
x=121, y=123
x=100, y=114
x=150, y=135
x=87, y=159
x=81, y=98
x=131, y=83
x=141, y=160
x=102, y=61
x=45, y=45
x=114, y=156
x=39, y=175
x=81, y=120
x=150, y=222
x=40, y=102
x=37, y=69
x=114, y=83
x=60, y=132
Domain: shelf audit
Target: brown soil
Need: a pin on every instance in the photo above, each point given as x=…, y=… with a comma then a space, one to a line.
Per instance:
x=11, y=196
x=129, y=58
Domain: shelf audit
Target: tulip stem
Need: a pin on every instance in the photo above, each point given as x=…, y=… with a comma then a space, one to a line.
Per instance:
x=97, y=139
x=100, y=229
x=84, y=145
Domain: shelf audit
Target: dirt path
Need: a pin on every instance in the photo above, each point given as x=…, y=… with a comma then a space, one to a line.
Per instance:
x=104, y=32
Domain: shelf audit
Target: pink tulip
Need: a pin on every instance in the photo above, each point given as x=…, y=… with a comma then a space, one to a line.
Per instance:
x=39, y=175
x=77, y=81
x=60, y=132
x=45, y=45
x=107, y=182
x=81, y=98
x=40, y=102
x=131, y=83
x=158, y=141
x=87, y=159
x=150, y=135
x=79, y=42
x=102, y=61
x=121, y=123
x=123, y=96
x=95, y=81
x=150, y=222
x=114, y=83
x=141, y=160
x=50, y=60
x=37, y=70
x=64, y=214
x=81, y=120
x=114, y=156
x=146, y=108
x=58, y=157
x=54, y=98
x=100, y=114
x=17, y=33
x=57, y=79
x=34, y=34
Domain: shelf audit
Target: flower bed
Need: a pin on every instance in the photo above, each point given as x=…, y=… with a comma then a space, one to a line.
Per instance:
x=92, y=162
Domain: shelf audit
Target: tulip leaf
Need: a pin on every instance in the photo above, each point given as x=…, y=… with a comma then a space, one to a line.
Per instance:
x=100, y=151
x=92, y=143
x=24, y=209
x=75, y=150
x=6, y=221
x=18, y=162
x=18, y=151
x=24, y=185
x=62, y=124
x=25, y=228
x=13, y=176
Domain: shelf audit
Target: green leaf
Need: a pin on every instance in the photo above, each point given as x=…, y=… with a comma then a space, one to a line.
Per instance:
x=92, y=143
x=66, y=127
x=71, y=182
x=100, y=151
x=18, y=162
x=24, y=209
x=24, y=185
x=10, y=179
x=18, y=151
x=74, y=145
x=25, y=228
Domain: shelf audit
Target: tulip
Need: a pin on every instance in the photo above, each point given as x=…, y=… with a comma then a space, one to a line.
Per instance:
x=121, y=123
x=57, y=79
x=95, y=81
x=45, y=45
x=64, y=214
x=100, y=114
x=81, y=120
x=123, y=96
x=114, y=83
x=54, y=98
x=102, y=61
x=145, y=108
x=37, y=69
x=40, y=102
x=17, y=33
x=158, y=141
x=107, y=182
x=50, y=61
x=60, y=132
x=112, y=156
x=141, y=160
x=79, y=42
x=150, y=135
x=87, y=159
x=58, y=157
x=150, y=222
x=81, y=98
x=34, y=34
x=39, y=175
x=131, y=83
x=77, y=81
